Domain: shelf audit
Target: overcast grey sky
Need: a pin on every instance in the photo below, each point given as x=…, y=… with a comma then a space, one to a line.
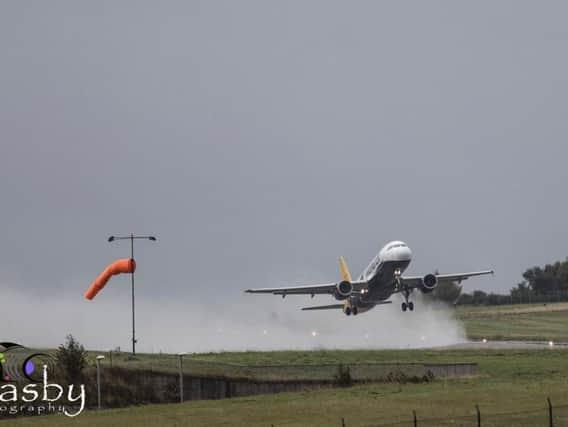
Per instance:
x=261, y=140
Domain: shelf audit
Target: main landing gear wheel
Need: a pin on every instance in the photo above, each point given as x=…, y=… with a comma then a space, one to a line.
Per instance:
x=406, y=304
x=348, y=311
x=355, y=311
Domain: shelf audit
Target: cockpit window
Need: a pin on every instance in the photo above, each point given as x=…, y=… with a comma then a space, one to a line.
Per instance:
x=396, y=245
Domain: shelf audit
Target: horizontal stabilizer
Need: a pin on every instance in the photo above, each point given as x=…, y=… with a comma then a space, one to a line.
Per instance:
x=324, y=307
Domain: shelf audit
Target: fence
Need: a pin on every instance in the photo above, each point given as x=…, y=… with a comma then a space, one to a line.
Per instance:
x=502, y=299
x=547, y=416
x=364, y=372
x=123, y=387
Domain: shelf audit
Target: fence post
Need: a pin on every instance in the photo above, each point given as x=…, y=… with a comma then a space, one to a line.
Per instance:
x=550, y=423
x=415, y=420
x=478, y=415
x=342, y=422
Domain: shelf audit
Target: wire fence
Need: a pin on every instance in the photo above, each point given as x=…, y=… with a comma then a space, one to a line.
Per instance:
x=547, y=416
x=502, y=299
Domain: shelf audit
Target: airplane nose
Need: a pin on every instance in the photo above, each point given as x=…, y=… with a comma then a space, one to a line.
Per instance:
x=403, y=254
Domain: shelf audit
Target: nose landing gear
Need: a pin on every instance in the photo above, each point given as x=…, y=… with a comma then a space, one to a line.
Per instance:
x=405, y=291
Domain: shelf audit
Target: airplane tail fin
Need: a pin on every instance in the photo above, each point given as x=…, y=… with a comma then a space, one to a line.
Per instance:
x=344, y=270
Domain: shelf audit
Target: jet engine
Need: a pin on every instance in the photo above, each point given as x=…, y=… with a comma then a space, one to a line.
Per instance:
x=343, y=290
x=429, y=283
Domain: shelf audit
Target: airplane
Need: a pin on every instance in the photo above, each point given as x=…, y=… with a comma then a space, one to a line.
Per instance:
x=378, y=282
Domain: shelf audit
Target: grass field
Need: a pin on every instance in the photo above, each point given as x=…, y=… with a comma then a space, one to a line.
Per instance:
x=513, y=383
x=535, y=322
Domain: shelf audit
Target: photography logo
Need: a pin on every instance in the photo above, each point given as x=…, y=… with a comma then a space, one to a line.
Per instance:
x=24, y=385
x=2, y=361
x=17, y=363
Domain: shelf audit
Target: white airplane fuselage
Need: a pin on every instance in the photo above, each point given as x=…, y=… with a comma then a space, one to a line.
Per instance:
x=381, y=274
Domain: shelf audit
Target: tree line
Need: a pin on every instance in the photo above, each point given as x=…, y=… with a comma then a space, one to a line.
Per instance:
x=541, y=284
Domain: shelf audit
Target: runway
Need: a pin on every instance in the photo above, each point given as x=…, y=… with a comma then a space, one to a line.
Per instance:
x=509, y=345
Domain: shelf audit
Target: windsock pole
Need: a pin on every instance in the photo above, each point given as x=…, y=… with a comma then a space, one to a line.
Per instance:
x=132, y=286
x=132, y=237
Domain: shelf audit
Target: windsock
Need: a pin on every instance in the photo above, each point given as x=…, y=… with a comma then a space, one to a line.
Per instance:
x=126, y=265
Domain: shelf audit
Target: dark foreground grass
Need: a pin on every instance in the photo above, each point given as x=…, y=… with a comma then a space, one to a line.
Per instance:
x=514, y=383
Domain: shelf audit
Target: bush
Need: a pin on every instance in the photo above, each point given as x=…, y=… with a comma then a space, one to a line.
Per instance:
x=400, y=377
x=343, y=376
x=71, y=359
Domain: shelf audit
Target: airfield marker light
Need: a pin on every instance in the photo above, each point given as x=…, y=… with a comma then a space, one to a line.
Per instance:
x=314, y=333
x=98, y=361
x=484, y=341
x=265, y=332
x=551, y=343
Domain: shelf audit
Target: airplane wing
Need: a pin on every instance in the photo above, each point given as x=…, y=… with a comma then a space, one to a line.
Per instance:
x=379, y=302
x=415, y=281
x=325, y=307
x=326, y=288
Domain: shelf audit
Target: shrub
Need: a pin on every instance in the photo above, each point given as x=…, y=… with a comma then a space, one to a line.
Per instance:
x=343, y=376
x=71, y=359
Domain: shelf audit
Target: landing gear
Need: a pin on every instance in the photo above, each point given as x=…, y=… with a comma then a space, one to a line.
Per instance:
x=407, y=304
x=351, y=311
x=397, y=277
x=404, y=290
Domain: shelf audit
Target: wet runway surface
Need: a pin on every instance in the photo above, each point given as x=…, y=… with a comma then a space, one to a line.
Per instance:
x=508, y=345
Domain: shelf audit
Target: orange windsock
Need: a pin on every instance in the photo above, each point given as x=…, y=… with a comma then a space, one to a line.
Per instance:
x=125, y=265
